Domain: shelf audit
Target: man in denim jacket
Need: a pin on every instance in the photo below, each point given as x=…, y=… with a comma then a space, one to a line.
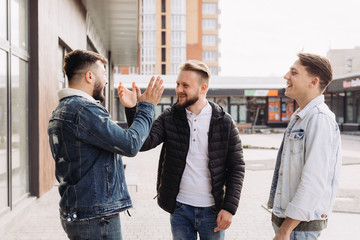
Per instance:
x=87, y=145
x=308, y=165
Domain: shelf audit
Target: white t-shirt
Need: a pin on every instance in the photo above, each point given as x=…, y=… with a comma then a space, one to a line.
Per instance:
x=195, y=185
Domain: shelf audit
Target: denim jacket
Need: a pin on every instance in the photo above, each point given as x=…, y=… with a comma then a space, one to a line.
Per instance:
x=87, y=147
x=306, y=175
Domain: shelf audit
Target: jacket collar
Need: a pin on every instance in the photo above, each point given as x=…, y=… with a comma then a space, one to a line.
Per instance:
x=69, y=92
x=313, y=103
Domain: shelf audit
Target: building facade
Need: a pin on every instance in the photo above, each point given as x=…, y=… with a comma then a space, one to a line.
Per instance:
x=173, y=31
x=259, y=101
x=343, y=97
x=344, y=61
x=35, y=35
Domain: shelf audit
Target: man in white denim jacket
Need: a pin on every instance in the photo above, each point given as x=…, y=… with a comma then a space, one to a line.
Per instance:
x=308, y=165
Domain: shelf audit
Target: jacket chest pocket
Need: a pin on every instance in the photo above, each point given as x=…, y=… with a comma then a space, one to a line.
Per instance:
x=296, y=140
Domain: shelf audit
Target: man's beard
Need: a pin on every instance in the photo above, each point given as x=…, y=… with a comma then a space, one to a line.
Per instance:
x=98, y=92
x=188, y=102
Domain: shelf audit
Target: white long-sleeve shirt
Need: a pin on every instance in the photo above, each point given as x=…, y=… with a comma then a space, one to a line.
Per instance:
x=310, y=164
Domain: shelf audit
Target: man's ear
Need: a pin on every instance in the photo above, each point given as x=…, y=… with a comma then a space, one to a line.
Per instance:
x=315, y=81
x=89, y=77
x=204, y=88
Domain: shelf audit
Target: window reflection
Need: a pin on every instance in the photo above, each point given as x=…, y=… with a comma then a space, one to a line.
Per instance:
x=19, y=128
x=3, y=22
x=19, y=23
x=3, y=131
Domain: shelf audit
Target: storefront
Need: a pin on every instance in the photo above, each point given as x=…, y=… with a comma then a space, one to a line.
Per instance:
x=343, y=98
x=246, y=100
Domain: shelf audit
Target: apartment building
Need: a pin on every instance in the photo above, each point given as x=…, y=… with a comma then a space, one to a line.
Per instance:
x=344, y=61
x=173, y=31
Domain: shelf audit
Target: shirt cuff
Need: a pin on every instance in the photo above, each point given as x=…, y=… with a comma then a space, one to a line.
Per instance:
x=299, y=213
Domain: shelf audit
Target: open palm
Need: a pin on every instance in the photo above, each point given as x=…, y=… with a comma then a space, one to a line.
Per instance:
x=128, y=98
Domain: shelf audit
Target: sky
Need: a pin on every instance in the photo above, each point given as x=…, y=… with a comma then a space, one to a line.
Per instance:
x=262, y=37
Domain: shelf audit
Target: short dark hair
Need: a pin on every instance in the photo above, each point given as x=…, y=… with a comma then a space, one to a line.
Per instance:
x=78, y=60
x=318, y=66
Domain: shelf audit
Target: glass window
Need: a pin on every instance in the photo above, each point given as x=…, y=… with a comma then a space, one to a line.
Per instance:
x=209, y=24
x=214, y=70
x=178, y=39
x=209, y=8
x=158, y=111
x=210, y=40
x=287, y=109
x=340, y=98
x=19, y=24
x=357, y=107
x=234, y=113
x=163, y=38
x=178, y=22
x=241, y=100
x=148, y=6
x=148, y=39
x=178, y=56
x=148, y=22
x=210, y=56
x=165, y=100
x=349, y=108
x=163, y=22
x=163, y=6
x=19, y=128
x=3, y=19
x=133, y=70
x=222, y=102
x=146, y=69
x=178, y=6
x=163, y=54
x=61, y=74
x=3, y=130
x=242, y=114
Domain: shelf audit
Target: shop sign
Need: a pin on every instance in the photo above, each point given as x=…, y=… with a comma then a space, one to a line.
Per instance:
x=261, y=93
x=351, y=83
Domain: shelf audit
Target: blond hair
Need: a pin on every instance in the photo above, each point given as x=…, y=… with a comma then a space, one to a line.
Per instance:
x=198, y=67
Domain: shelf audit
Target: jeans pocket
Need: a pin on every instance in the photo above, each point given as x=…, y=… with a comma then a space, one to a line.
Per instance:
x=214, y=210
x=178, y=206
x=76, y=229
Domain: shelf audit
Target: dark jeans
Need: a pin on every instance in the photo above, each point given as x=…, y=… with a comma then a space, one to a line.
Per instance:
x=107, y=227
x=187, y=221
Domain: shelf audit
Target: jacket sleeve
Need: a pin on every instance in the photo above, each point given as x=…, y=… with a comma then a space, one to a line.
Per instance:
x=130, y=115
x=96, y=128
x=235, y=171
x=157, y=133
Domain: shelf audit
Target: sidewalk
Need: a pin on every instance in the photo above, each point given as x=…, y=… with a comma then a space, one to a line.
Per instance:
x=252, y=221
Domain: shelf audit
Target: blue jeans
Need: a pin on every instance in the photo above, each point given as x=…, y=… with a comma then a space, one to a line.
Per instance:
x=299, y=235
x=187, y=221
x=107, y=227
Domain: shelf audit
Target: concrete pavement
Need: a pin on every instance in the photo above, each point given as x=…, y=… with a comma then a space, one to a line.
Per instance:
x=39, y=219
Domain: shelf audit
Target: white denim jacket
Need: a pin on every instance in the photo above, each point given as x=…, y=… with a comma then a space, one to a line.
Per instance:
x=310, y=164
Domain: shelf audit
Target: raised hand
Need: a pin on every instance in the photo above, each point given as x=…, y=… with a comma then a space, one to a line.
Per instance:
x=128, y=98
x=153, y=92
